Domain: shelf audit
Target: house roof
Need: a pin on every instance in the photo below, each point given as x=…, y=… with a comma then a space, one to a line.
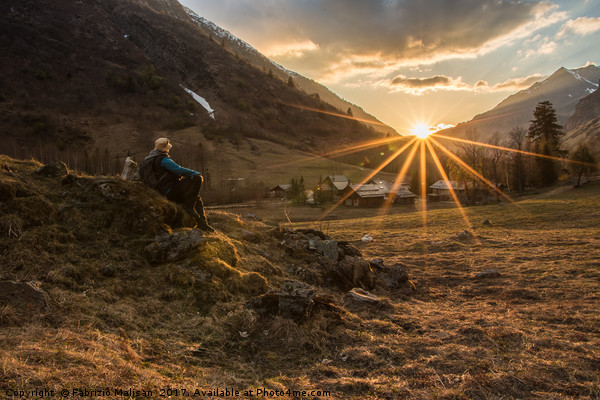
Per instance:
x=401, y=191
x=377, y=181
x=339, y=181
x=443, y=185
x=284, y=186
x=369, y=190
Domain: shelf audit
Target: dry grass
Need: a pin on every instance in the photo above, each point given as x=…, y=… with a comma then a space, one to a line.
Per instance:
x=533, y=332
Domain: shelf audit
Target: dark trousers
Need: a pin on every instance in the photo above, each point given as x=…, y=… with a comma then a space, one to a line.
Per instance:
x=185, y=192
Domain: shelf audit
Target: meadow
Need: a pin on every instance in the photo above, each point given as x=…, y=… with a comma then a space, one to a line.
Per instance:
x=528, y=330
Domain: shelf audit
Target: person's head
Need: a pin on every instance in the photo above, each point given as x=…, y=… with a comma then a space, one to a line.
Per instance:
x=163, y=144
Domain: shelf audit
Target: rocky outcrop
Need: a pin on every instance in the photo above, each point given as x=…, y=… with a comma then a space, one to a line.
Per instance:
x=174, y=246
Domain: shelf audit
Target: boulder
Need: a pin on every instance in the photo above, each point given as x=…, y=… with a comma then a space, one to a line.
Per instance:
x=354, y=272
x=174, y=246
x=393, y=277
x=295, y=299
x=349, y=249
x=487, y=274
x=25, y=297
x=130, y=170
x=327, y=248
x=465, y=236
x=249, y=236
x=57, y=168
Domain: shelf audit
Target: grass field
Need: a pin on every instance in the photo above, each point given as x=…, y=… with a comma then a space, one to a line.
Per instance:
x=533, y=332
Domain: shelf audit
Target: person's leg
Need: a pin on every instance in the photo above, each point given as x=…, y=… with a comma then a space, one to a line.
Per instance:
x=185, y=192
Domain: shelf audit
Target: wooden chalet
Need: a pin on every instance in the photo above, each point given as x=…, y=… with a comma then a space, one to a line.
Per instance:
x=440, y=191
x=332, y=187
x=402, y=194
x=280, y=191
x=367, y=195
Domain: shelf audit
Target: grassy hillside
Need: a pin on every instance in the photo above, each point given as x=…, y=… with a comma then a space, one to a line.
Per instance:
x=122, y=312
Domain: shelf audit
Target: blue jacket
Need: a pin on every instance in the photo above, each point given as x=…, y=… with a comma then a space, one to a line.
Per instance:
x=171, y=166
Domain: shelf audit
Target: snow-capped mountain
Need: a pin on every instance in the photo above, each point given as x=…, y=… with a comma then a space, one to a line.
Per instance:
x=564, y=89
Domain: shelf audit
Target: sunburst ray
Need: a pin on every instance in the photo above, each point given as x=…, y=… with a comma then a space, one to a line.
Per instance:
x=372, y=174
x=448, y=183
x=472, y=170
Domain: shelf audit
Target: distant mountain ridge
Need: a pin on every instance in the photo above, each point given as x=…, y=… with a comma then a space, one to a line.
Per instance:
x=246, y=51
x=564, y=89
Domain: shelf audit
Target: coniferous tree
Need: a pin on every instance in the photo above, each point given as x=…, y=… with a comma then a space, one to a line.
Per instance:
x=546, y=133
x=290, y=82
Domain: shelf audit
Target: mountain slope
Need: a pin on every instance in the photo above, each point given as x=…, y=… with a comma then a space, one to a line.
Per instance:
x=584, y=124
x=108, y=77
x=563, y=89
x=311, y=87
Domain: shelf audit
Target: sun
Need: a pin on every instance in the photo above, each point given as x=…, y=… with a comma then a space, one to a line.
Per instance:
x=421, y=130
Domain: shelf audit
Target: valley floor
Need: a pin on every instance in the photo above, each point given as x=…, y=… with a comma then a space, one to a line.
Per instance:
x=528, y=328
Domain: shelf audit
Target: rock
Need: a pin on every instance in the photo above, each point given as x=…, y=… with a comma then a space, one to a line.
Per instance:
x=252, y=216
x=25, y=297
x=487, y=274
x=354, y=272
x=487, y=223
x=266, y=304
x=367, y=238
x=69, y=179
x=107, y=271
x=465, y=236
x=349, y=249
x=328, y=248
x=57, y=168
x=130, y=170
x=249, y=236
x=393, y=277
x=313, y=232
x=295, y=299
x=377, y=263
x=169, y=247
x=362, y=296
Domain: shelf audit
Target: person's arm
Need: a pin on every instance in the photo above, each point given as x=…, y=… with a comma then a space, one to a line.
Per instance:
x=172, y=166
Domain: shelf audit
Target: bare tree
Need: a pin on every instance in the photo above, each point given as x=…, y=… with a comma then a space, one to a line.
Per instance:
x=517, y=141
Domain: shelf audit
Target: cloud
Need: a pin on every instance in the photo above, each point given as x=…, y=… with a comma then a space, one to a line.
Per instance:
x=419, y=86
x=581, y=26
x=518, y=83
x=377, y=37
x=547, y=47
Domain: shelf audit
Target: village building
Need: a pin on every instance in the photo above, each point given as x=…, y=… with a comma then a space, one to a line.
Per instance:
x=332, y=187
x=402, y=193
x=280, y=191
x=367, y=195
x=440, y=191
x=374, y=195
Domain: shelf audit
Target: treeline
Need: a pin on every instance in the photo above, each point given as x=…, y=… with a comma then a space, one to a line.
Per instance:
x=525, y=159
x=219, y=187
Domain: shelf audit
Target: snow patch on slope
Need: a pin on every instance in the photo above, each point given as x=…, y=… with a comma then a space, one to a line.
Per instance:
x=202, y=101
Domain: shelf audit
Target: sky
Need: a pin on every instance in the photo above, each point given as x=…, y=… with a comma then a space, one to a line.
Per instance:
x=408, y=62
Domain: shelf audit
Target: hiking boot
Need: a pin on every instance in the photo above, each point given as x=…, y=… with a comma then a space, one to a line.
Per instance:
x=201, y=222
x=204, y=226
